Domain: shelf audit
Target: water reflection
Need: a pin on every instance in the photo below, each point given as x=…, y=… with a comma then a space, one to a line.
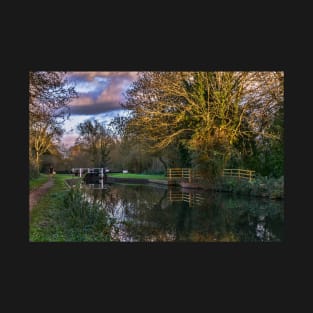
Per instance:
x=147, y=213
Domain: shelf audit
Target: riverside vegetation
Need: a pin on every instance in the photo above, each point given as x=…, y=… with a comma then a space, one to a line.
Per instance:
x=66, y=215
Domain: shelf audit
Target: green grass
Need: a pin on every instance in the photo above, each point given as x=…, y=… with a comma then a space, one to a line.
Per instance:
x=138, y=176
x=272, y=188
x=37, y=182
x=44, y=216
x=57, y=217
x=65, y=176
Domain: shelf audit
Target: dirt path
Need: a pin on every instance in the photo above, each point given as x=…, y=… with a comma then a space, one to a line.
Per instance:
x=36, y=194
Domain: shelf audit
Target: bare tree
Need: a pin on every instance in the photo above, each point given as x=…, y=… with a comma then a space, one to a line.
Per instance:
x=97, y=140
x=207, y=112
x=49, y=96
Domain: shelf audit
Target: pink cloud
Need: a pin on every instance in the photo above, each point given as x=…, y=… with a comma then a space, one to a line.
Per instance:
x=98, y=101
x=91, y=75
x=69, y=139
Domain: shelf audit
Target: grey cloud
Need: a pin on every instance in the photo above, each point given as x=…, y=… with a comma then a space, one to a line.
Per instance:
x=97, y=108
x=100, y=101
x=88, y=76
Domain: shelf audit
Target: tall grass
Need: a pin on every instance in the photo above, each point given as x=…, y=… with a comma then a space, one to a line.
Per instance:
x=68, y=216
x=85, y=217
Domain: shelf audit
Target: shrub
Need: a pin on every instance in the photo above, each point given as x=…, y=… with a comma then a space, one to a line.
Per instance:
x=260, y=187
x=85, y=217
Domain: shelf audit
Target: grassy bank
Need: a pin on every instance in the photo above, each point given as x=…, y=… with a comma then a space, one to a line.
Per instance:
x=272, y=188
x=137, y=176
x=63, y=215
x=37, y=182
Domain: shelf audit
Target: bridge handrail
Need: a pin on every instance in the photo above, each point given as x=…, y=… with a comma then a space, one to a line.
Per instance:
x=189, y=173
x=238, y=172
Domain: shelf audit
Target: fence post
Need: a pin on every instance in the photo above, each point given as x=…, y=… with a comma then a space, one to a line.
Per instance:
x=189, y=174
x=251, y=175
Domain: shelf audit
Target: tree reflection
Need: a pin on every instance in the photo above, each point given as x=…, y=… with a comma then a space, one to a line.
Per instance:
x=144, y=213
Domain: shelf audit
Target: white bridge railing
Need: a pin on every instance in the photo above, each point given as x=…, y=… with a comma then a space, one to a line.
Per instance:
x=83, y=170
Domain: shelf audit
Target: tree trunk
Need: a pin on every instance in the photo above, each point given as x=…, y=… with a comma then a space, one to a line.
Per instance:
x=163, y=163
x=37, y=159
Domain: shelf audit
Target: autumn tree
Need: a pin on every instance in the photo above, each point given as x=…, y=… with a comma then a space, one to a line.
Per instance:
x=49, y=96
x=97, y=139
x=199, y=111
x=136, y=155
x=263, y=147
x=79, y=156
x=206, y=113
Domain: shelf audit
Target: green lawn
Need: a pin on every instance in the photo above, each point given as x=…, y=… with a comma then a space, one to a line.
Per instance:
x=142, y=176
x=37, y=182
x=50, y=221
x=44, y=224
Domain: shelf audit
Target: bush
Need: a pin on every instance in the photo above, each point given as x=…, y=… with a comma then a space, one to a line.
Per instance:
x=260, y=187
x=87, y=219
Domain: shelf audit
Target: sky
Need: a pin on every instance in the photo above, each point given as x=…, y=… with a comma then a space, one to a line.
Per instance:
x=100, y=95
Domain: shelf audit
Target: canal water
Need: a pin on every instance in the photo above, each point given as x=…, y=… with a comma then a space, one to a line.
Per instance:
x=154, y=213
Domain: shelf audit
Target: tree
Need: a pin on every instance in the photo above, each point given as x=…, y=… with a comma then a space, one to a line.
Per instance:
x=97, y=140
x=199, y=111
x=137, y=156
x=49, y=95
x=79, y=156
x=43, y=136
x=210, y=114
x=263, y=149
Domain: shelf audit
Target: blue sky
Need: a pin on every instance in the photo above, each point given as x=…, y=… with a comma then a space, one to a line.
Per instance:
x=100, y=95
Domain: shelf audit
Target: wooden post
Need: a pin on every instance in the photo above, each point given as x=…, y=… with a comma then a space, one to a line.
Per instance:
x=189, y=174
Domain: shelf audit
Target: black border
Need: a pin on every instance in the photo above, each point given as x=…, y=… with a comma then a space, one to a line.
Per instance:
x=218, y=260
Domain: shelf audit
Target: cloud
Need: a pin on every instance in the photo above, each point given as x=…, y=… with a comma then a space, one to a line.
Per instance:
x=90, y=76
x=71, y=124
x=94, y=108
x=100, y=95
x=99, y=92
x=69, y=140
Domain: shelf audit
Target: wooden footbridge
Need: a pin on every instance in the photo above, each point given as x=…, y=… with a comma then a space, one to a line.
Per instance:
x=178, y=174
x=239, y=173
